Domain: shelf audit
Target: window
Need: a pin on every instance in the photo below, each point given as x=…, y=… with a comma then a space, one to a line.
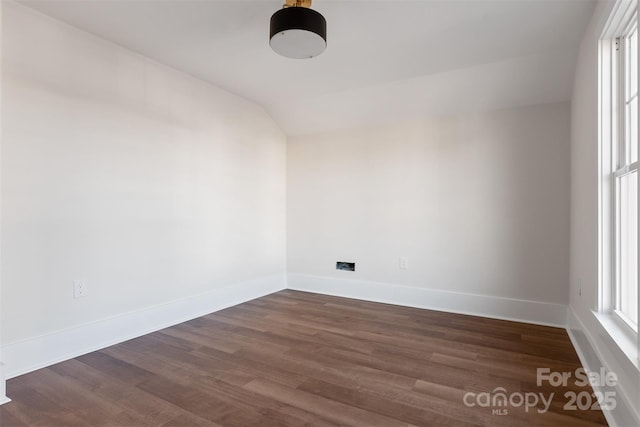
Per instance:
x=626, y=178
x=619, y=166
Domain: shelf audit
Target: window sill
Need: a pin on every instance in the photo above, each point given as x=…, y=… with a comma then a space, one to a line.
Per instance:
x=622, y=335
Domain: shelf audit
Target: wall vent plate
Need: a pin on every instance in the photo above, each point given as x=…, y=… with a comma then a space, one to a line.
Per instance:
x=346, y=266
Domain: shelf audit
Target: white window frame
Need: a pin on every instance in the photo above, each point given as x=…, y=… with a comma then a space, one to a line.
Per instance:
x=611, y=107
x=621, y=166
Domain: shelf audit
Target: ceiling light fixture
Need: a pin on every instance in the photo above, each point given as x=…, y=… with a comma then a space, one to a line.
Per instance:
x=298, y=32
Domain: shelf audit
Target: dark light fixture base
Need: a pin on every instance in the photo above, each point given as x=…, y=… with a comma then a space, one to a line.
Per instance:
x=298, y=32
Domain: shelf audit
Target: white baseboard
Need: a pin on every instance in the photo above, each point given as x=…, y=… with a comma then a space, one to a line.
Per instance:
x=3, y=395
x=541, y=313
x=626, y=413
x=38, y=352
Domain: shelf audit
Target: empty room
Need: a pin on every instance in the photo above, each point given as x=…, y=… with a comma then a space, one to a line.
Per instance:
x=287, y=213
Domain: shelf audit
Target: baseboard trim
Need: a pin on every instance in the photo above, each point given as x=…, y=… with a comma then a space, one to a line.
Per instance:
x=541, y=313
x=45, y=350
x=3, y=396
x=625, y=413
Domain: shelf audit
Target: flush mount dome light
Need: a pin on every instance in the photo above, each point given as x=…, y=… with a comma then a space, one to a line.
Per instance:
x=297, y=31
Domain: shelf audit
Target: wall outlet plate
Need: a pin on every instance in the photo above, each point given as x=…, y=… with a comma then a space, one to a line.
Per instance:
x=79, y=289
x=403, y=263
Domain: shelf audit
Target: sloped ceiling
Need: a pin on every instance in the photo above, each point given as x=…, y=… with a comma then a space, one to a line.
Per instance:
x=386, y=60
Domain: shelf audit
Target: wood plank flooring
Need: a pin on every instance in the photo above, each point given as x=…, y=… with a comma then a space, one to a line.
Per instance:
x=294, y=358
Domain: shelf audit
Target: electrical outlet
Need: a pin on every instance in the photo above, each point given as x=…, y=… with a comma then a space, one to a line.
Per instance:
x=403, y=263
x=79, y=289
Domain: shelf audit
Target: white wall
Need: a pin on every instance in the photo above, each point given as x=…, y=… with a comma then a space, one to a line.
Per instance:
x=3, y=396
x=593, y=342
x=479, y=204
x=147, y=184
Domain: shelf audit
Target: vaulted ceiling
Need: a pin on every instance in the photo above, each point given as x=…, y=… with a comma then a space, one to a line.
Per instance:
x=385, y=61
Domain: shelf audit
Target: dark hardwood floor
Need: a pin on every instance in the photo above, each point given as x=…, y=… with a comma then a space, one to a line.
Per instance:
x=295, y=358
